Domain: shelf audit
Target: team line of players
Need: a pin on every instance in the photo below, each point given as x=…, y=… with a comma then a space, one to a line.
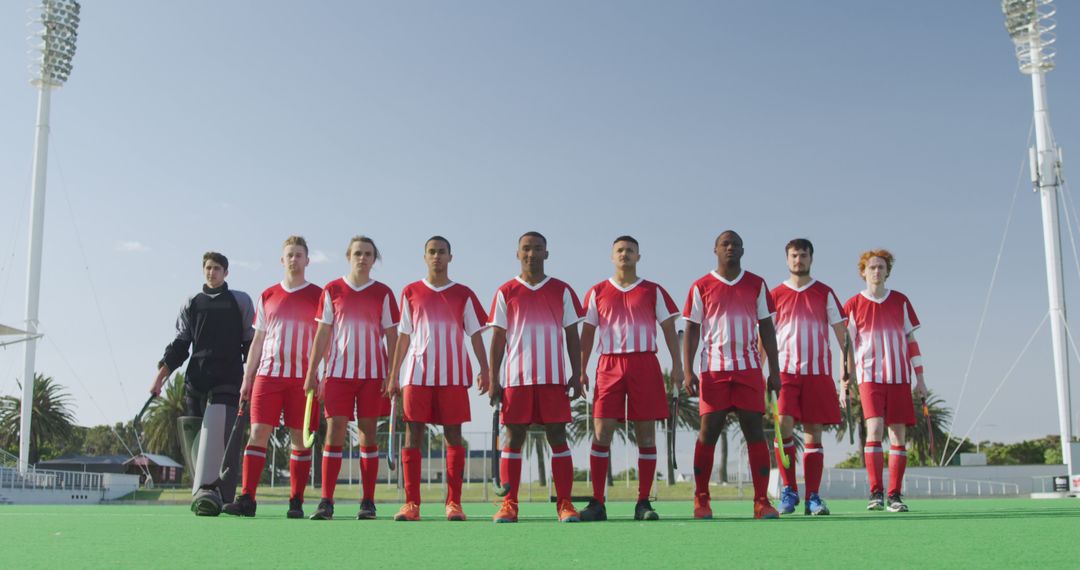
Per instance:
x=371, y=348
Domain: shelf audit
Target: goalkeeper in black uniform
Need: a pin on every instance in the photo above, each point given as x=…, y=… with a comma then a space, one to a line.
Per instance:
x=215, y=325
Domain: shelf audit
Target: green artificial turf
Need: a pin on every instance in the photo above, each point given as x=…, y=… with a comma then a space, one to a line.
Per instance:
x=940, y=533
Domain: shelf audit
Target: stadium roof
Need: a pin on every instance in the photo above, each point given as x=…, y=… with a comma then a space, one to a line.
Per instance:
x=6, y=330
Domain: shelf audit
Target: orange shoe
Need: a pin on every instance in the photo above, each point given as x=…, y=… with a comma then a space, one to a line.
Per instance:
x=454, y=512
x=408, y=512
x=567, y=512
x=702, y=510
x=508, y=512
x=763, y=509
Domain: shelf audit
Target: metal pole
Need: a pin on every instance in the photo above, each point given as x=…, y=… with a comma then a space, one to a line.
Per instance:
x=33, y=272
x=1048, y=185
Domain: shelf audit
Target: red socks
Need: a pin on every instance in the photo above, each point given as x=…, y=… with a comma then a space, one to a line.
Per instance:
x=299, y=470
x=562, y=471
x=813, y=465
x=369, y=470
x=599, y=458
x=703, y=463
x=254, y=461
x=875, y=463
x=331, y=467
x=510, y=471
x=410, y=461
x=758, y=455
x=455, y=467
x=788, y=474
x=897, y=465
x=646, y=464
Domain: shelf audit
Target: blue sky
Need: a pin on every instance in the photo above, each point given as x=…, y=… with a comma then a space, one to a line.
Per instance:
x=229, y=126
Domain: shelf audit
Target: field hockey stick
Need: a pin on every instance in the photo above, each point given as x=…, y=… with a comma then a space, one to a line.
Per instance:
x=309, y=436
x=770, y=404
x=137, y=422
x=673, y=416
x=391, y=454
x=929, y=426
x=847, y=391
x=235, y=434
x=501, y=488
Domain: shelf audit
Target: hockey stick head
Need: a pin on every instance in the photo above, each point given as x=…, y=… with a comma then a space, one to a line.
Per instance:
x=391, y=453
x=309, y=436
x=770, y=404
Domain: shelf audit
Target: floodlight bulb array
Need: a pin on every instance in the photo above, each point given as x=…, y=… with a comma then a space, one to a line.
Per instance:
x=54, y=28
x=1031, y=24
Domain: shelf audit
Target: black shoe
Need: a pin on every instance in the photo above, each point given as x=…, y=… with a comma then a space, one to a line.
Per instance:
x=877, y=501
x=206, y=503
x=367, y=510
x=243, y=506
x=643, y=511
x=325, y=511
x=296, y=508
x=896, y=504
x=594, y=511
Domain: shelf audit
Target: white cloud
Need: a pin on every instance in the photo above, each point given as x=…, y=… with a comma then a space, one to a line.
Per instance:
x=318, y=256
x=132, y=247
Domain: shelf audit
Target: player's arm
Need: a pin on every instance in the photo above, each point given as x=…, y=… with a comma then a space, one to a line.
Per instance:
x=393, y=385
x=483, y=378
x=588, y=335
x=691, y=340
x=253, y=358
x=495, y=357
x=840, y=331
x=671, y=338
x=176, y=352
x=573, y=347
x=319, y=348
x=915, y=356
x=767, y=336
x=390, y=335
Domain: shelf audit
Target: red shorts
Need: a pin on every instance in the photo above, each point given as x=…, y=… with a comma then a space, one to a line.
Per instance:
x=889, y=401
x=630, y=386
x=731, y=389
x=354, y=398
x=272, y=397
x=441, y=405
x=547, y=404
x=809, y=398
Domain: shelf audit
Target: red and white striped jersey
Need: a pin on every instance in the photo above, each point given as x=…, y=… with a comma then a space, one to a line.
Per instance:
x=284, y=315
x=534, y=317
x=728, y=312
x=625, y=319
x=439, y=322
x=879, y=329
x=804, y=319
x=359, y=317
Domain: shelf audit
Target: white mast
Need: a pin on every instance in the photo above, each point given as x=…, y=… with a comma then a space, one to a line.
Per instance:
x=1031, y=25
x=55, y=26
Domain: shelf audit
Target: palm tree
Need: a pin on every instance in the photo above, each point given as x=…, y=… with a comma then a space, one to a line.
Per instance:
x=159, y=427
x=53, y=421
x=918, y=437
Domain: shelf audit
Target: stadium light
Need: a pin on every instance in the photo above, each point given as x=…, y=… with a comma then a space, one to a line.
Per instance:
x=1031, y=25
x=54, y=27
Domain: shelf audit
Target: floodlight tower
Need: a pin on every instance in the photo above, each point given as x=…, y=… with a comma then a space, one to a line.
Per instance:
x=54, y=28
x=1031, y=24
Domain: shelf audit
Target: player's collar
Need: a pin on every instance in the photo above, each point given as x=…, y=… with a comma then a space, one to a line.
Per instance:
x=627, y=289
x=355, y=288
x=437, y=289
x=872, y=299
x=725, y=281
x=800, y=289
x=295, y=289
x=533, y=287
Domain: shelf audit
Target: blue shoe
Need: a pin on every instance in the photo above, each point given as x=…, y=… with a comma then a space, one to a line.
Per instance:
x=815, y=505
x=789, y=499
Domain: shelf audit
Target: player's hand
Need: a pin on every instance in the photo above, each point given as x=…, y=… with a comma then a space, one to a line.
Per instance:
x=483, y=381
x=393, y=389
x=495, y=393
x=311, y=383
x=585, y=382
x=245, y=390
x=159, y=381
x=573, y=388
x=920, y=389
x=320, y=391
x=690, y=384
x=843, y=396
x=774, y=382
x=676, y=377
